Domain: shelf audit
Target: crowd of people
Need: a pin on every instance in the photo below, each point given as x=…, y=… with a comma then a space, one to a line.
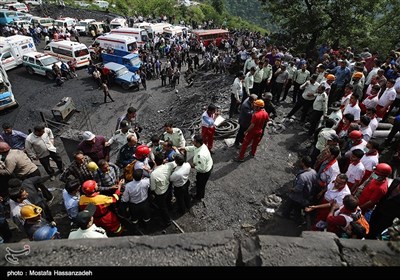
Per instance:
x=343, y=98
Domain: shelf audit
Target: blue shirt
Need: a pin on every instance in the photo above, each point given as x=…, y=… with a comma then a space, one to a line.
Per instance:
x=342, y=75
x=16, y=139
x=71, y=204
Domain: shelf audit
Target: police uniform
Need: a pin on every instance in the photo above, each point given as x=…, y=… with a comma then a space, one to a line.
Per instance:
x=176, y=137
x=92, y=232
x=121, y=138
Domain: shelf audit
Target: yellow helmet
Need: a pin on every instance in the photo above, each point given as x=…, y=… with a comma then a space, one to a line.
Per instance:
x=30, y=211
x=92, y=166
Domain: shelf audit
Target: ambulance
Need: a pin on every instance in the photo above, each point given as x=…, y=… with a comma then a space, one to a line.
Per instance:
x=12, y=49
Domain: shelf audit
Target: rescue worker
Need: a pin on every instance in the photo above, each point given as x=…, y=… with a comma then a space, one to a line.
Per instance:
x=254, y=132
x=103, y=216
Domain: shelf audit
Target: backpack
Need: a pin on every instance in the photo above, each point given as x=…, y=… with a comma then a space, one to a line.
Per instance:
x=359, y=218
x=128, y=171
x=363, y=222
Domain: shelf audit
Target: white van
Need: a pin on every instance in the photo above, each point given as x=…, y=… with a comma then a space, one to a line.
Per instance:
x=68, y=51
x=139, y=34
x=33, y=2
x=101, y=4
x=118, y=23
x=66, y=22
x=12, y=49
x=117, y=41
x=48, y=22
x=19, y=7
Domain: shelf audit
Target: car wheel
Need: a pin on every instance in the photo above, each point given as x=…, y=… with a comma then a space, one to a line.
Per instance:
x=50, y=75
x=30, y=70
x=125, y=86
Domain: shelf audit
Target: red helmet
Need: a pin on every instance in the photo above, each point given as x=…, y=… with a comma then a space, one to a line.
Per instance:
x=4, y=147
x=383, y=169
x=89, y=187
x=142, y=151
x=355, y=134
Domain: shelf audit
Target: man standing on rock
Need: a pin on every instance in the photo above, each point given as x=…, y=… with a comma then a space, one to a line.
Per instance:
x=202, y=162
x=208, y=127
x=254, y=132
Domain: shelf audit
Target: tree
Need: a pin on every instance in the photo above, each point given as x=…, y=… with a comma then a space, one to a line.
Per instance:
x=218, y=6
x=304, y=23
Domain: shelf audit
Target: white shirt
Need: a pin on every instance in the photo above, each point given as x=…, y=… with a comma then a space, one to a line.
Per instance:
x=373, y=125
x=355, y=172
x=180, y=175
x=330, y=174
x=370, y=161
x=136, y=191
x=371, y=102
x=40, y=146
x=309, y=88
x=237, y=88
x=360, y=146
x=387, y=96
x=92, y=232
x=354, y=110
x=366, y=132
x=337, y=195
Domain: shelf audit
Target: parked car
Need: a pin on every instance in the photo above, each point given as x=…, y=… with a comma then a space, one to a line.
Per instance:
x=121, y=75
x=101, y=4
x=40, y=63
x=83, y=26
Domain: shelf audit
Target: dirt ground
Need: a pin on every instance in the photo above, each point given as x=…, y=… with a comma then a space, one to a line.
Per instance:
x=235, y=193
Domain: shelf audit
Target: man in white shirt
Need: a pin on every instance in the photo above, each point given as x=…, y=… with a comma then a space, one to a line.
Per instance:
x=353, y=108
x=181, y=183
x=87, y=229
x=202, y=162
x=40, y=145
x=174, y=135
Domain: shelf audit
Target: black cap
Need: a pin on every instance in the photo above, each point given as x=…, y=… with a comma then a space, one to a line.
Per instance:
x=83, y=217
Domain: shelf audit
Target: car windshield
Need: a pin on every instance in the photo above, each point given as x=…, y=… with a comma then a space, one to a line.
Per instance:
x=135, y=61
x=49, y=60
x=122, y=71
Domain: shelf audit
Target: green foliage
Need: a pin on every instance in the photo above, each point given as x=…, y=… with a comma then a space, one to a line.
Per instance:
x=218, y=6
x=304, y=24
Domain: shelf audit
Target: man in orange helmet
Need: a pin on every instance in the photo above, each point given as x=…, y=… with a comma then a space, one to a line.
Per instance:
x=254, y=132
x=103, y=217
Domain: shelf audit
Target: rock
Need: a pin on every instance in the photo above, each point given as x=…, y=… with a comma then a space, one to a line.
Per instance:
x=272, y=201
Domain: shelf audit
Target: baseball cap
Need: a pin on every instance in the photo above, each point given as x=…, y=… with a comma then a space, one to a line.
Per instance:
x=83, y=217
x=88, y=136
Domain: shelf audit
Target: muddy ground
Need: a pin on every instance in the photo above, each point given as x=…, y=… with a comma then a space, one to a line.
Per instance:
x=235, y=193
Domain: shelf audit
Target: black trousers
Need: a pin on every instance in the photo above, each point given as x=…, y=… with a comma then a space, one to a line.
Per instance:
x=314, y=121
x=46, y=163
x=182, y=197
x=161, y=202
x=140, y=211
x=240, y=135
x=233, y=109
x=393, y=131
x=201, y=181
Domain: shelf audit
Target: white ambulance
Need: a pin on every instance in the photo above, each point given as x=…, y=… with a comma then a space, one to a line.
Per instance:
x=68, y=51
x=12, y=49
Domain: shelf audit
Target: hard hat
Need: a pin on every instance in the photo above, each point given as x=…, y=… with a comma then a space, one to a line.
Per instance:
x=259, y=103
x=89, y=187
x=4, y=147
x=30, y=211
x=88, y=136
x=383, y=169
x=142, y=151
x=44, y=233
x=330, y=77
x=357, y=75
x=355, y=134
x=92, y=166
